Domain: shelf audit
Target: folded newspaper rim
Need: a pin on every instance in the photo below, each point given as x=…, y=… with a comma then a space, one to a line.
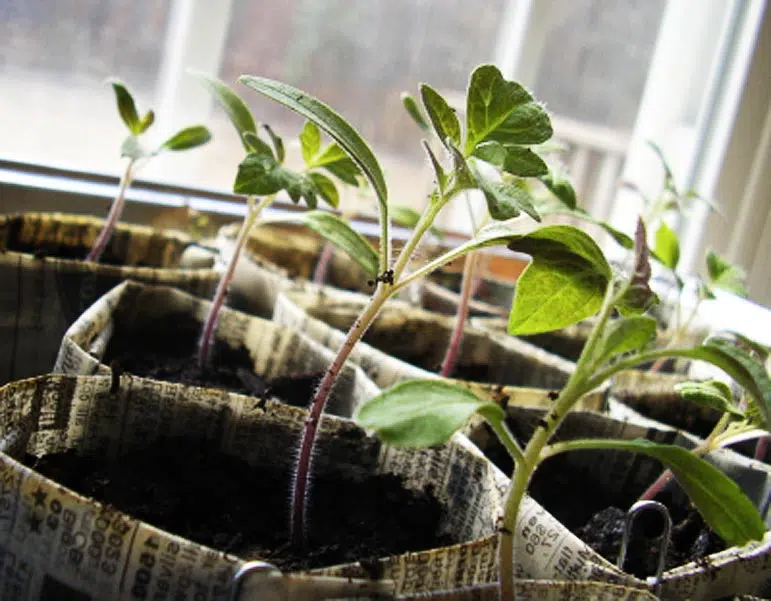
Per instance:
x=43, y=295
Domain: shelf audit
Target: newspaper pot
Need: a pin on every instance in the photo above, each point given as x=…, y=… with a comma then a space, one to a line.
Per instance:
x=58, y=544
x=268, y=350
x=419, y=337
x=650, y=393
x=274, y=257
x=624, y=476
x=46, y=285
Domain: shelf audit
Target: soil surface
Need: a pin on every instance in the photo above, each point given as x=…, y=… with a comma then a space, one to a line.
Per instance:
x=221, y=501
x=165, y=349
x=598, y=519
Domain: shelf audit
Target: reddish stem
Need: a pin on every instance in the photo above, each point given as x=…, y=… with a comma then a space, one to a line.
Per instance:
x=655, y=488
x=320, y=273
x=468, y=286
x=112, y=217
x=300, y=487
x=761, y=447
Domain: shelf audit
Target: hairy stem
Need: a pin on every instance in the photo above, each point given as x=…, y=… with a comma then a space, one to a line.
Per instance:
x=210, y=324
x=467, y=287
x=113, y=216
x=302, y=471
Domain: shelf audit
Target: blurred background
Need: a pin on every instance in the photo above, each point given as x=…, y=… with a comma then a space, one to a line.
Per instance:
x=691, y=75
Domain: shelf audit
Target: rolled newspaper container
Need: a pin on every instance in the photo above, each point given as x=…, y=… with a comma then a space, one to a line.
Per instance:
x=274, y=350
x=43, y=293
x=57, y=542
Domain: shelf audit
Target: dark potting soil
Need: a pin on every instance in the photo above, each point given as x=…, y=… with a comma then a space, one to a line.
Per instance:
x=221, y=501
x=165, y=349
x=573, y=497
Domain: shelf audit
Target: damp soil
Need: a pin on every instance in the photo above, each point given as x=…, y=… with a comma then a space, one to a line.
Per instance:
x=165, y=349
x=222, y=502
x=572, y=496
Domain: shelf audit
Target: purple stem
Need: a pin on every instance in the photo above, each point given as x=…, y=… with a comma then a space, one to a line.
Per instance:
x=467, y=289
x=320, y=273
x=112, y=217
x=300, y=487
x=761, y=447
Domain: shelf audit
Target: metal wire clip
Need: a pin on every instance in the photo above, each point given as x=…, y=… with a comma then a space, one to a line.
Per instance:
x=634, y=511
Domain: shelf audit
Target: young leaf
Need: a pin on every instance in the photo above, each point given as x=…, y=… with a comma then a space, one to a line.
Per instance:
x=462, y=177
x=256, y=145
x=513, y=159
x=409, y=217
x=441, y=178
x=722, y=504
x=310, y=142
x=561, y=188
x=126, y=107
x=502, y=110
x=711, y=393
x=627, y=334
x=441, y=114
x=278, y=143
x=235, y=108
x=328, y=120
x=326, y=188
x=342, y=235
x=187, y=138
x=413, y=110
x=422, y=413
x=336, y=161
x=726, y=276
x=669, y=178
x=638, y=296
x=667, y=248
x=261, y=174
x=564, y=283
x=506, y=200
x=146, y=121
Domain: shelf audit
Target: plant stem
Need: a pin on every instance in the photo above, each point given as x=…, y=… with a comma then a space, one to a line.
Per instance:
x=467, y=286
x=302, y=471
x=761, y=447
x=210, y=324
x=575, y=388
x=320, y=273
x=112, y=218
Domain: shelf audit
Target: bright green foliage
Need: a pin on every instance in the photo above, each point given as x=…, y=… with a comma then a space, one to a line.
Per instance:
x=261, y=174
x=187, y=138
x=234, y=107
x=413, y=110
x=442, y=116
x=722, y=504
x=506, y=200
x=254, y=144
x=278, y=143
x=725, y=276
x=561, y=187
x=332, y=123
x=667, y=248
x=326, y=188
x=332, y=157
x=422, y=413
x=565, y=282
x=627, y=334
x=711, y=393
x=126, y=107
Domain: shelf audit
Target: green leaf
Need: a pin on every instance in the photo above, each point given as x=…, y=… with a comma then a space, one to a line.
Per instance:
x=638, y=296
x=328, y=120
x=740, y=365
x=441, y=178
x=667, y=248
x=132, y=149
x=726, y=276
x=146, y=121
x=409, y=217
x=235, y=108
x=336, y=161
x=627, y=334
x=422, y=413
x=513, y=159
x=562, y=189
x=669, y=178
x=620, y=237
x=711, y=393
x=126, y=107
x=564, y=283
x=278, y=143
x=413, y=110
x=441, y=115
x=310, y=142
x=506, y=200
x=722, y=504
x=502, y=110
x=326, y=188
x=185, y=139
x=261, y=174
x=256, y=145
x=462, y=177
